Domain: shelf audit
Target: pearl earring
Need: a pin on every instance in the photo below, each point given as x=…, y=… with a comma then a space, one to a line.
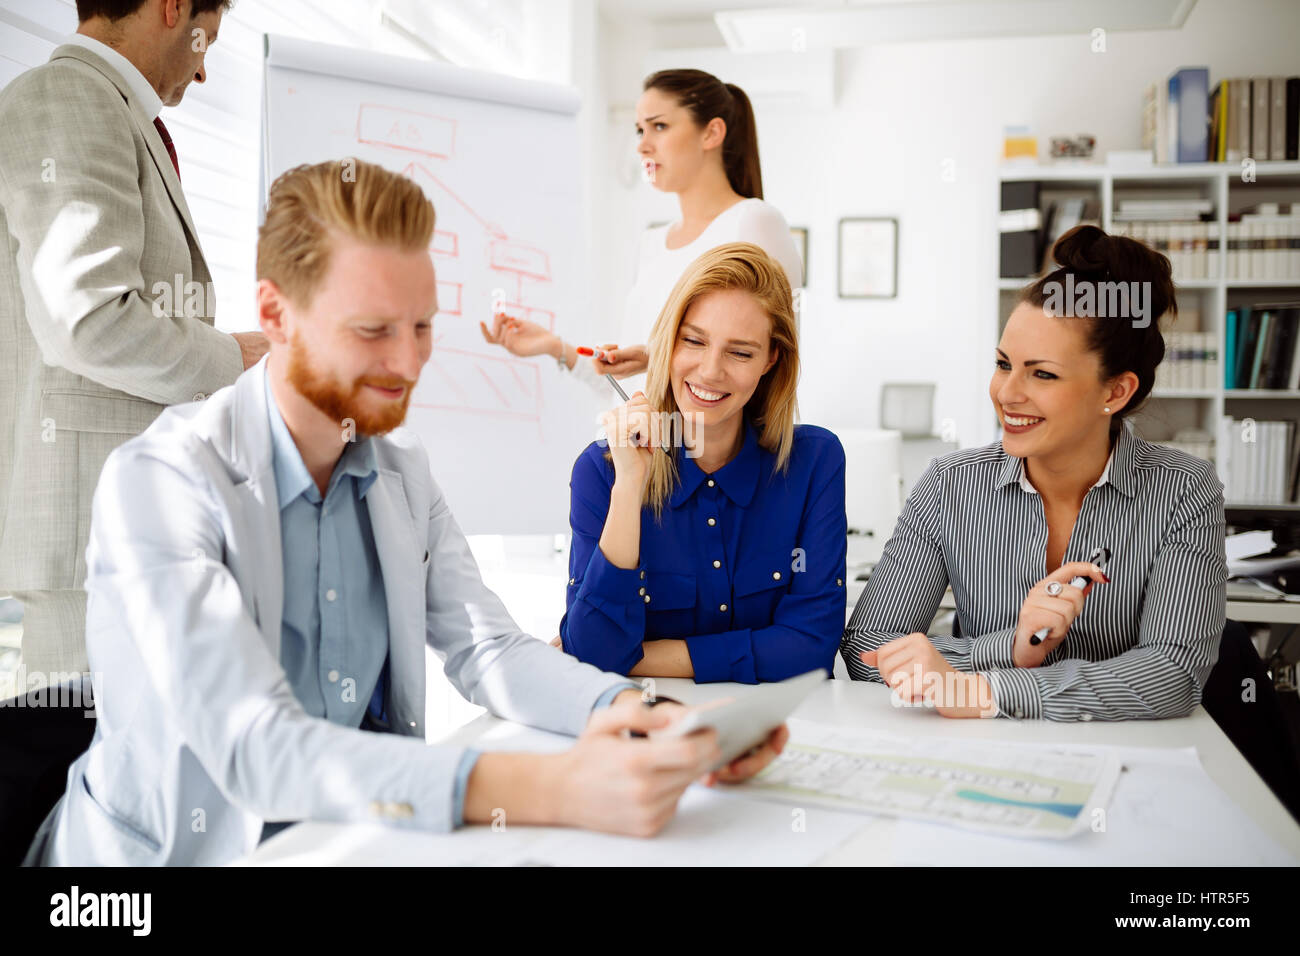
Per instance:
x=1106, y=409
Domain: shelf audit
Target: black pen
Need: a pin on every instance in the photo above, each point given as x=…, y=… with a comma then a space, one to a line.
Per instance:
x=1099, y=557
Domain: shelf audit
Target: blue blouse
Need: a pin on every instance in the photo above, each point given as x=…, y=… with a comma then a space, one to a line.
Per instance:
x=746, y=565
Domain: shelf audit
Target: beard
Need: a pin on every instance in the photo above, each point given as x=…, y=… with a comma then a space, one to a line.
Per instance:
x=342, y=403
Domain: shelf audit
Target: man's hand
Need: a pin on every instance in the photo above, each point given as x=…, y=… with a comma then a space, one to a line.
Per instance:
x=919, y=674
x=743, y=767
x=252, y=346
x=749, y=764
x=619, y=785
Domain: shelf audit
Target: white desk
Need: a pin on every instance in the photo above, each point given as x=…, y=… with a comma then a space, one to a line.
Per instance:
x=839, y=702
x=1264, y=612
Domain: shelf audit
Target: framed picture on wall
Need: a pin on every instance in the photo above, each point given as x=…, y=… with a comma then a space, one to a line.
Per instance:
x=800, y=236
x=868, y=258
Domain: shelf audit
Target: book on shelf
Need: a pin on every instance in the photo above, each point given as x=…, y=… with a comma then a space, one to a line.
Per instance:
x=1156, y=208
x=1257, y=461
x=1262, y=346
x=1260, y=107
x=1191, y=361
x=1264, y=243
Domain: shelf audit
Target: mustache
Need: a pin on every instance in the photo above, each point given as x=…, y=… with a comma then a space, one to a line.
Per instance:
x=385, y=382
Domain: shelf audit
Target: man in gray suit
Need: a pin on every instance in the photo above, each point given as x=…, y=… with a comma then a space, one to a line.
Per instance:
x=267, y=568
x=106, y=311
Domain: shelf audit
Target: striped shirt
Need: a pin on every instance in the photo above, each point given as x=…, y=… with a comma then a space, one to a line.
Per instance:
x=1142, y=646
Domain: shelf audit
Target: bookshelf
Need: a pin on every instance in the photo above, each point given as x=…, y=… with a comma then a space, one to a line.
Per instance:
x=1202, y=300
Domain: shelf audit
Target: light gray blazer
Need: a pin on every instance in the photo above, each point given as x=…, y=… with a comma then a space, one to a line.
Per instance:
x=91, y=217
x=200, y=738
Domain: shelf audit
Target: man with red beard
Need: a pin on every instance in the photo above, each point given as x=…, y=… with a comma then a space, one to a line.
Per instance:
x=267, y=567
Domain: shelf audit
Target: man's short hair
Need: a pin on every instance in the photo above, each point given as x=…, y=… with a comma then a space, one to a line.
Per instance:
x=352, y=197
x=115, y=10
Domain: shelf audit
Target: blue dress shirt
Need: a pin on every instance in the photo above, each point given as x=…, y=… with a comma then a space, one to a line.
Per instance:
x=746, y=565
x=334, y=627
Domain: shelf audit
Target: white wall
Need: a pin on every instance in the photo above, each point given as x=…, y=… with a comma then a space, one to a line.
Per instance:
x=901, y=111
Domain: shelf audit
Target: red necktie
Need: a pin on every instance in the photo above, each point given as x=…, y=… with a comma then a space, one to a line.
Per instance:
x=167, y=141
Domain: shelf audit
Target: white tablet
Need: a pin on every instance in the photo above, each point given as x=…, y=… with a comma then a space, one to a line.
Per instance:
x=744, y=722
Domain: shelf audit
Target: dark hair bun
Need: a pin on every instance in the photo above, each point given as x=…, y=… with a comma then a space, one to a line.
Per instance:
x=1083, y=249
x=1090, y=253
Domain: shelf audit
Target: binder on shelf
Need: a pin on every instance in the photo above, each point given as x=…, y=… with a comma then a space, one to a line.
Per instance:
x=1218, y=120
x=1279, y=360
x=1018, y=245
x=1247, y=338
x=1259, y=102
x=1230, y=349
x=1293, y=117
x=1277, y=118
x=1239, y=120
x=1293, y=379
x=1189, y=95
x=1267, y=335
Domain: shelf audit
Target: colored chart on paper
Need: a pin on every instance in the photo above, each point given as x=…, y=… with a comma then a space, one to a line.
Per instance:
x=1013, y=789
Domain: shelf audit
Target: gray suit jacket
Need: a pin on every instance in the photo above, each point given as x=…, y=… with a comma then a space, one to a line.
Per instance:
x=200, y=738
x=92, y=217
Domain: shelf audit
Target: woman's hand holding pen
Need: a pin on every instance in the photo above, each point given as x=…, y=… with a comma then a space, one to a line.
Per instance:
x=1056, y=612
x=621, y=362
x=633, y=433
x=919, y=674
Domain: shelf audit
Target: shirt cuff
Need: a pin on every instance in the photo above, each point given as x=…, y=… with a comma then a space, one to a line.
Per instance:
x=609, y=584
x=993, y=650
x=1015, y=693
x=463, y=769
x=719, y=657
x=607, y=698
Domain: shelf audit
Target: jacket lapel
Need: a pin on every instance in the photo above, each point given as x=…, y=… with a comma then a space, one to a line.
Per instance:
x=249, y=452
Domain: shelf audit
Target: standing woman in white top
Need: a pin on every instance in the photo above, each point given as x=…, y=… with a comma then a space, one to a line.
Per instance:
x=697, y=139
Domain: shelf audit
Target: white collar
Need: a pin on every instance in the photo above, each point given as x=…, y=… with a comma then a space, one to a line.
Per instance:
x=1104, y=479
x=147, y=96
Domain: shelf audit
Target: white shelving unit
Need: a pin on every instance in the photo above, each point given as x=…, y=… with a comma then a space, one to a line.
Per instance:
x=1223, y=184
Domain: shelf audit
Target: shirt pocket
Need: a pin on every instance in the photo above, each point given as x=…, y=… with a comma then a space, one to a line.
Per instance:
x=759, y=587
x=670, y=599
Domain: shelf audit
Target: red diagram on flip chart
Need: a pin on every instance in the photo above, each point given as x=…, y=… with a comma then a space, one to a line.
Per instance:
x=406, y=130
x=464, y=373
